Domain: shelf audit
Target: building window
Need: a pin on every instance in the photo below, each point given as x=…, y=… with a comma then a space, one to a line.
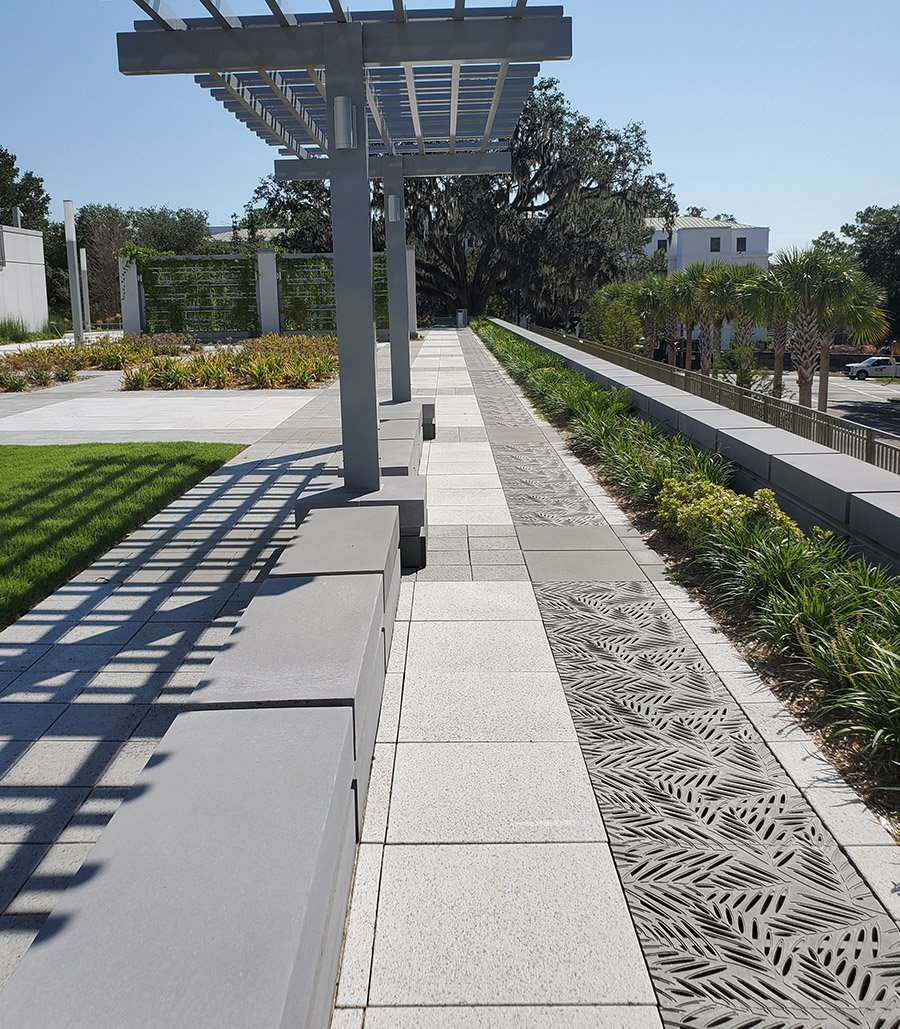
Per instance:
x=662, y=244
x=742, y=244
x=715, y=244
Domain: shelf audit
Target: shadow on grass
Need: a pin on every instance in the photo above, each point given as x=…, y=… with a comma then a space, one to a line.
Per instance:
x=62, y=507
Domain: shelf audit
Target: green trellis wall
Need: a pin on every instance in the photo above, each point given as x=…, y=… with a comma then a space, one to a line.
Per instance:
x=218, y=294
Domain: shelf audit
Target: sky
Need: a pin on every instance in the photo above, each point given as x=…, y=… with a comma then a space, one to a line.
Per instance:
x=785, y=113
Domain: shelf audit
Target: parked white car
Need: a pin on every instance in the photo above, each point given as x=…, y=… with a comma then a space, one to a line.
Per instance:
x=877, y=367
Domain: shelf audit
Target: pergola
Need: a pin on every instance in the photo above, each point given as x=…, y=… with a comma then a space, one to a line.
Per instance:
x=390, y=93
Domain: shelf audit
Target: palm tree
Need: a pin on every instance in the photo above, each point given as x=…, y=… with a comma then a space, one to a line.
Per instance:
x=827, y=292
x=675, y=290
x=857, y=307
x=648, y=299
x=718, y=303
x=772, y=305
x=743, y=277
x=690, y=302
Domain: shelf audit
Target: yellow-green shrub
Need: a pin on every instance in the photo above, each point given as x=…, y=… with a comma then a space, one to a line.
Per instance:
x=694, y=509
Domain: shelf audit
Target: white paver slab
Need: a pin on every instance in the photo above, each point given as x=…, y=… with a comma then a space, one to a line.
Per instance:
x=475, y=601
x=613, y=1017
x=483, y=706
x=540, y=924
x=492, y=793
x=479, y=646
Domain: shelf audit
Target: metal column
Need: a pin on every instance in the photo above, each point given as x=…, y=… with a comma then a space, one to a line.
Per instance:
x=398, y=287
x=85, y=290
x=72, y=260
x=351, y=222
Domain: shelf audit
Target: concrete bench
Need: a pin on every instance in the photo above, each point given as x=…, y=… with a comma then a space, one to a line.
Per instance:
x=405, y=429
x=308, y=641
x=408, y=494
x=421, y=409
x=828, y=481
x=399, y=456
x=876, y=517
x=349, y=541
x=216, y=895
x=665, y=408
x=701, y=425
x=754, y=449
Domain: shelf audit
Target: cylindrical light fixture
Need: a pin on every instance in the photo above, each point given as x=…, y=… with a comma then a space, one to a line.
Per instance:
x=344, y=123
x=394, y=208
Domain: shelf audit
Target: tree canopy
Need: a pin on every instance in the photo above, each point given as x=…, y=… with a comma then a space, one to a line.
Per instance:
x=875, y=237
x=568, y=219
x=24, y=190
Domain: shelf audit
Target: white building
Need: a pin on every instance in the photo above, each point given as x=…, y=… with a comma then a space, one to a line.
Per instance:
x=23, y=283
x=707, y=239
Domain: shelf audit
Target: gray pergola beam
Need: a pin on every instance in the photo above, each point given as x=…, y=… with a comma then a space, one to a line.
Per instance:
x=399, y=10
x=163, y=15
x=340, y=15
x=285, y=93
x=384, y=44
x=415, y=166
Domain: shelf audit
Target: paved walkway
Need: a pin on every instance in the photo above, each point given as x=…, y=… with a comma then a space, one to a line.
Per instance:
x=548, y=672
x=585, y=812
x=93, y=409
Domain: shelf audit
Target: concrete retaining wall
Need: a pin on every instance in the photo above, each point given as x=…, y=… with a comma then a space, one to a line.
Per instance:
x=814, y=484
x=23, y=284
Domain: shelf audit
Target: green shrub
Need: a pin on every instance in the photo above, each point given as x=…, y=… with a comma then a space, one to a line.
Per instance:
x=695, y=510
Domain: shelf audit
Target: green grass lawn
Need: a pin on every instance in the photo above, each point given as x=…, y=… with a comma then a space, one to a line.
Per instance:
x=61, y=507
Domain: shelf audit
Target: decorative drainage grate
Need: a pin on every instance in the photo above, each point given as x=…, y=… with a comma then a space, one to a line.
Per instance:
x=748, y=913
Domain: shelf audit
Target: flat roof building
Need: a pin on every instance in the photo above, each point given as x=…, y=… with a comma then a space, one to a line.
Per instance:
x=712, y=240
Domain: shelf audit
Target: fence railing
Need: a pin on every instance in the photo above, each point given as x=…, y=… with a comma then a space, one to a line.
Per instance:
x=870, y=445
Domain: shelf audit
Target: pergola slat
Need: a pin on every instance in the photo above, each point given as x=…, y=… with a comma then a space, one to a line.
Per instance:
x=222, y=13
x=160, y=12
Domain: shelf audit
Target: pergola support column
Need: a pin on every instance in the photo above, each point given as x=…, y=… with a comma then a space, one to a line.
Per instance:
x=352, y=232
x=85, y=290
x=398, y=286
x=130, y=294
x=72, y=261
x=411, y=290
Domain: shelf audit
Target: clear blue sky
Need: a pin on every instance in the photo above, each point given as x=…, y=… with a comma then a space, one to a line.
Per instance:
x=783, y=112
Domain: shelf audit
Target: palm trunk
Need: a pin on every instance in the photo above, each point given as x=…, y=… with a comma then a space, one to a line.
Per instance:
x=806, y=351
x=824, y=368
x=707, y=328
x=671, y=340
x=780, y=333
x=743, y=332
x=688, y=346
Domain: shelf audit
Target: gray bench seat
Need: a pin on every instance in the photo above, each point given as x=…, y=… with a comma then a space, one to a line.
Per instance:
x=349, y=541
x=754, y=449
x=420, y=409
x=830, y=480
x=217, y=894
x=308, y=641
x=408, y=494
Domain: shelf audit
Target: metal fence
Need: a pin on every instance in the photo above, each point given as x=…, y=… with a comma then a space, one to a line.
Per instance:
x=875, y=447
